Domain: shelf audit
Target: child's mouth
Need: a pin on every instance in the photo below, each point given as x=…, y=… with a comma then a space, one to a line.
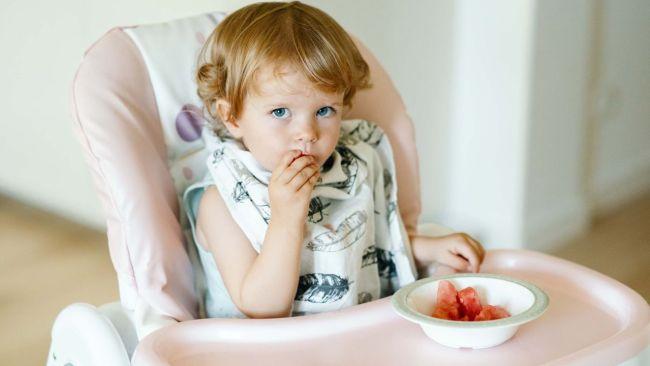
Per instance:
x=301, y=155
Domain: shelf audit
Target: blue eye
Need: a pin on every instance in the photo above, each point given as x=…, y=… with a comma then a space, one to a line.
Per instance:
x=280, y=112
x=323, y=111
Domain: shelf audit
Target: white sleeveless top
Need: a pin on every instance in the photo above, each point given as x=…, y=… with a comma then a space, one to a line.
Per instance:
x=355, y=248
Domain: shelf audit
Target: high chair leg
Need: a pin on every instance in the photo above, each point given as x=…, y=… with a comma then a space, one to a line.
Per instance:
x=123, y=321
x=83, y=335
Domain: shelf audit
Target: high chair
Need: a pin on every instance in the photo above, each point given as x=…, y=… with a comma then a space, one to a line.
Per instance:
x=139, y=119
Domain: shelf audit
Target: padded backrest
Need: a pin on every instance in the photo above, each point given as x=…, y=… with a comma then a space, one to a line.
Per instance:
x=138, y=119
x=170, y=51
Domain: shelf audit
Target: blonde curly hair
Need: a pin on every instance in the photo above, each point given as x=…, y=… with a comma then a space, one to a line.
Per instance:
x=280, y=34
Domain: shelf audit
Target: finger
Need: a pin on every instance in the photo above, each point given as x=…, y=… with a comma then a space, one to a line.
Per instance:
x=466, y=250
x=475, y=244
x=311, y=182
x=303, y=176
x=295, y=168
x=479, y=248
x=454, y=261
x=285, y=161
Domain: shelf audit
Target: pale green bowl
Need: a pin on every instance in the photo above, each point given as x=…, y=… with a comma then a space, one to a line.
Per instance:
x=523, y=300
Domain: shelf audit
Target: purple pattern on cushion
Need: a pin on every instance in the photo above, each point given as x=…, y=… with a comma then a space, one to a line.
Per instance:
x=189, y=122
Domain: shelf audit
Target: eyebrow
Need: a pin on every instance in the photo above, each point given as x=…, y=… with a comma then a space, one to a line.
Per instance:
x=282, y=103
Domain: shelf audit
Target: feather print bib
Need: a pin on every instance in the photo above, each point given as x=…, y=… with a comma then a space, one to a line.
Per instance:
x=355, y=248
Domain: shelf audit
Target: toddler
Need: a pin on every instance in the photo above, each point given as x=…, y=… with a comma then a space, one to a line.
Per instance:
x=298, y=211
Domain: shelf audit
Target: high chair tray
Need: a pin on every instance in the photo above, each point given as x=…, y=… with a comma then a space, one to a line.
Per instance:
x=591, y=320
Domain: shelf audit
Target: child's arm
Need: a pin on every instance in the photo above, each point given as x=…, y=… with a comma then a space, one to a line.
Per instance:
x=459, y=251
x=264, y=285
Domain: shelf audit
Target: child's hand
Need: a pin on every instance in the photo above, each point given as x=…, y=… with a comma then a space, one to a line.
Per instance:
x=459, y=251
x=290, y=187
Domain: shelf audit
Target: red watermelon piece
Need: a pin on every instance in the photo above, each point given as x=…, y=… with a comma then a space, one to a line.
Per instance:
x=470, y=302
x=446, y=293
x=464, y=305
x=449, y=312
x=490, y=312
x=447, y=306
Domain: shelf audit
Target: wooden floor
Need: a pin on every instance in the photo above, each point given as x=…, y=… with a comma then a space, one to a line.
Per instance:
x=48, y=262
x=617, y=245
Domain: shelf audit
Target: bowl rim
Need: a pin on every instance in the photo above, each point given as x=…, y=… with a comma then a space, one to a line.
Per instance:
x=540, y=304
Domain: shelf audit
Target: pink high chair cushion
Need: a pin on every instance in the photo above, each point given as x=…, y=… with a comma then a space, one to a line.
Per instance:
x=118, y=125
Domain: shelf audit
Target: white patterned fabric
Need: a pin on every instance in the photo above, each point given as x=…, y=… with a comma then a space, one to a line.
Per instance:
x=355, y=248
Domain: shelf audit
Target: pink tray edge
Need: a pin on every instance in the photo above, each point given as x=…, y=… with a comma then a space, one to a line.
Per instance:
x=157, y=348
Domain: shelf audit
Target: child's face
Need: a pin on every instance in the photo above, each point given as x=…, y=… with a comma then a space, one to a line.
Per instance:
x=288, y=112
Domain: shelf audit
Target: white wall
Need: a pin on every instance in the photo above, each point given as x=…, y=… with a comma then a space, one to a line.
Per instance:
x=490, y=119
x=621, y=162
x=529, y=156
x=555, y=203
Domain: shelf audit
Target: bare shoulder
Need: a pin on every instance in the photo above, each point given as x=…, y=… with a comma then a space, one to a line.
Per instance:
x=210, y=208
x=215, y=224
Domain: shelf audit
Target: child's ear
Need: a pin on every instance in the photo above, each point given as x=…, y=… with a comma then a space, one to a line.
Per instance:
x=223, y=110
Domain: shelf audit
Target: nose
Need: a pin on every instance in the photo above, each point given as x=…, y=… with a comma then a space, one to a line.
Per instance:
x=306, y=134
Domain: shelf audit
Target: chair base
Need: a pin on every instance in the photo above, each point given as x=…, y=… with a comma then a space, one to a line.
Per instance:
x=85, y=335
